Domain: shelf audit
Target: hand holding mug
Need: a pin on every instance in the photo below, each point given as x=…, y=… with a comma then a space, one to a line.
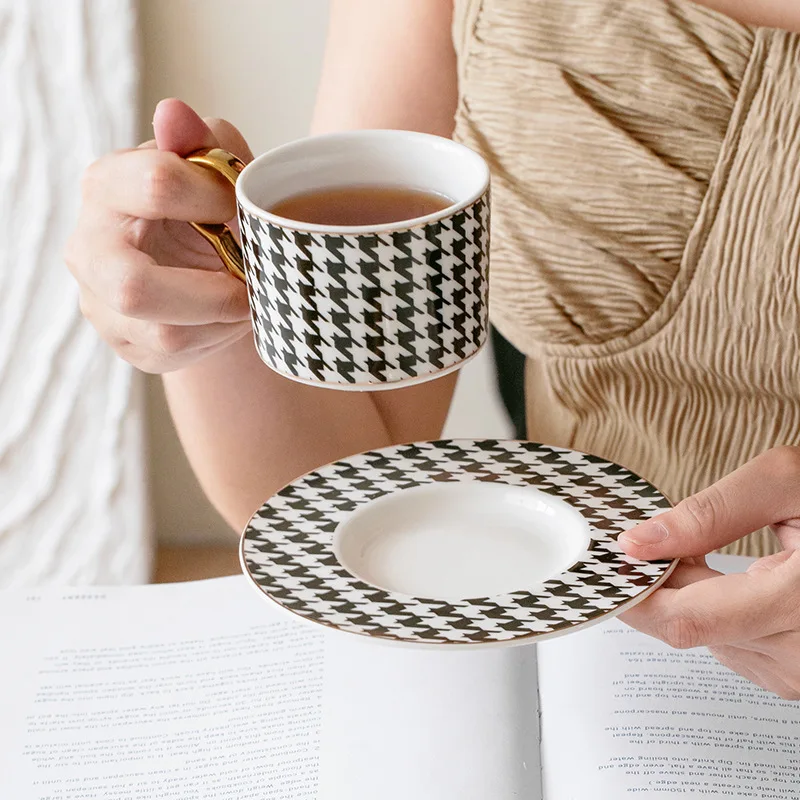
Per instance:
x=155, y=291
x=344, y=306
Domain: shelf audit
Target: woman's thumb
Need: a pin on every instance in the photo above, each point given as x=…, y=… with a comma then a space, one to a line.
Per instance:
x=179, y=129
x=765, y=491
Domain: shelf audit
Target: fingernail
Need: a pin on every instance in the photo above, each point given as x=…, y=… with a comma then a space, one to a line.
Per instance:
x=648, y=533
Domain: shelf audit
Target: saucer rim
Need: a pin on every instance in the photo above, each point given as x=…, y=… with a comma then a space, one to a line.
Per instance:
x=533, y=636
x=326, y=628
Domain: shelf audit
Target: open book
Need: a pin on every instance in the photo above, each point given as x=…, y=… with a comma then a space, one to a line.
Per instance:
x=204, y=690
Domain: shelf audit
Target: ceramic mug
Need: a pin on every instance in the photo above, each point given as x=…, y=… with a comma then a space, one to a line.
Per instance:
x=361, y=307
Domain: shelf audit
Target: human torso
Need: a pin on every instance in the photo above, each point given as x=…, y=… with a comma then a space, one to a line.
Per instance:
x=646, y=228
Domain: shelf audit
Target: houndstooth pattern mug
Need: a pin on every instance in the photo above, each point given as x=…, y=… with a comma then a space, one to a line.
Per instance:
x=361, y=307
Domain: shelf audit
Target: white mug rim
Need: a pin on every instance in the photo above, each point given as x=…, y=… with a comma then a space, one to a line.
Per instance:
x=248, y=206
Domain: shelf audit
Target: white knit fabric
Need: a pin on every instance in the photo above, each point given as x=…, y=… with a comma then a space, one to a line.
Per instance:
x=73, y=504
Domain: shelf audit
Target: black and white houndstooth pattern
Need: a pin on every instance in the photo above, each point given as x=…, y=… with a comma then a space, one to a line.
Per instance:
x=369, y=309
x=288, y=547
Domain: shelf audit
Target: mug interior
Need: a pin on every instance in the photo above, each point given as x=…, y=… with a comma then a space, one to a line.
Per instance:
x=363, y=158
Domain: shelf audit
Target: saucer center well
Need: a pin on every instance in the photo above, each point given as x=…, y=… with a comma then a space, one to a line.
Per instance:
x=452, y=541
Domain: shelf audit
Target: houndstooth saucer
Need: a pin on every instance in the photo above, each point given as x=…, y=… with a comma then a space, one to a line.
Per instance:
x=289, y=548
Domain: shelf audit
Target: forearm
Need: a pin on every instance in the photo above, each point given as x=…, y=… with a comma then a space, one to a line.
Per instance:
x=247, y=431
x=784, y=14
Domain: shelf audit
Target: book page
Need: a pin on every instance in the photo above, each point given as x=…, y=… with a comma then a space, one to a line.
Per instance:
x=157, y=692
x=624, y=715
x=205, y=690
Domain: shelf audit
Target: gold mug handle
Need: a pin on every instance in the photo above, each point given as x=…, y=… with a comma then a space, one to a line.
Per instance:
x=218, y=235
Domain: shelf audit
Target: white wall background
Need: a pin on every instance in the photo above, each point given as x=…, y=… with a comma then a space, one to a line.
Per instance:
x=255, y=63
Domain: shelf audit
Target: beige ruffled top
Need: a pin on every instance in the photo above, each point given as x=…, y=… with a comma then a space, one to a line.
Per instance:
x=646, y=226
